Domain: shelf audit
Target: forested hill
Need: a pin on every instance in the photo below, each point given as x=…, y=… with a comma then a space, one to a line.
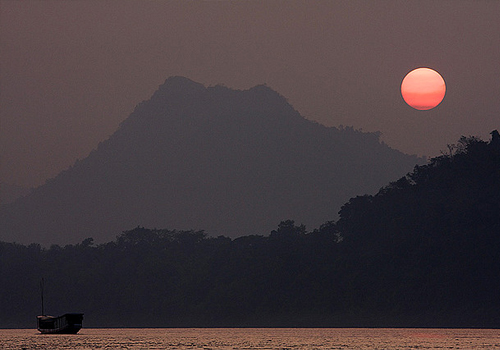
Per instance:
x=231, y=162
x=422, y=252
x=428, y=245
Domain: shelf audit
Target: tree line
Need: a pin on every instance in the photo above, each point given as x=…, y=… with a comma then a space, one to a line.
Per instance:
x=422, y=252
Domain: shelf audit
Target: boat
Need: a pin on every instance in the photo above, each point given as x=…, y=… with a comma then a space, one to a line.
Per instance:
x=65, y=324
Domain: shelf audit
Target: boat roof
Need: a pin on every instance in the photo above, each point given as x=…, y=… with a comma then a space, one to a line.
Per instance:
x=47, y=317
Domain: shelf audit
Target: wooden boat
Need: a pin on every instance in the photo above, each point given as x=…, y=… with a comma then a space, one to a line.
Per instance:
x=65, y=324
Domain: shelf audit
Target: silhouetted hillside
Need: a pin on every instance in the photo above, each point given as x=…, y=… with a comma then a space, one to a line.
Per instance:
x=422, y=252
x=230, y=162
x=428, y=244
x=9, y=193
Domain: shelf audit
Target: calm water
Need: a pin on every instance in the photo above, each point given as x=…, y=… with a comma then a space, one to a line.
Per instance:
x=254, y=338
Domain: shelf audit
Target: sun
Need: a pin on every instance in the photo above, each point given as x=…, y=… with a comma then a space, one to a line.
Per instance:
x=423, y=88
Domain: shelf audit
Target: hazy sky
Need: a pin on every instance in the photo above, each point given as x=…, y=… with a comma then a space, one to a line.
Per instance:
x=71, y=71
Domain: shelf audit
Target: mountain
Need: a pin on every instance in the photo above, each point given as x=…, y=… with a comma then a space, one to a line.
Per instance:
x=9, y=192
x=230, y=162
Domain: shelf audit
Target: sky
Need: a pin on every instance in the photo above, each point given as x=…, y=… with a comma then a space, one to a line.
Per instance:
x=71, y=71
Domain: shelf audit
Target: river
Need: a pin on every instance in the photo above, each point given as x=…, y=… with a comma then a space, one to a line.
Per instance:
x=254, y=338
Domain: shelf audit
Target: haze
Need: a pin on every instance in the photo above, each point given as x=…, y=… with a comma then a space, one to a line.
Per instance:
x=71, y=71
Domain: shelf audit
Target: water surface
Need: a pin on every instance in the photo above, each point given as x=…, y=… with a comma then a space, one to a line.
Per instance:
x=255, y=338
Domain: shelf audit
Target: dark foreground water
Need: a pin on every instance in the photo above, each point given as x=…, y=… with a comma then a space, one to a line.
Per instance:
x=255, y=338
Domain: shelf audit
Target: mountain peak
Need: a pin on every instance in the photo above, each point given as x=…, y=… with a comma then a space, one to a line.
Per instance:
x=178, y=85
x=177, y=81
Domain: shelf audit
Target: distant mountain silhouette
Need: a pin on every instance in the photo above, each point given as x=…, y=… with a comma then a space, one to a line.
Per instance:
x=227, y=161
x=9, y=193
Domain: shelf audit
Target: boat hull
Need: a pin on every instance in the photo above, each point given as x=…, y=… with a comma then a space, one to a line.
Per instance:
x=65, y=324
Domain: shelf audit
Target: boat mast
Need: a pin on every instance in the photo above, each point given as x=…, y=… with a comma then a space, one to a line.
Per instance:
x=41, y=290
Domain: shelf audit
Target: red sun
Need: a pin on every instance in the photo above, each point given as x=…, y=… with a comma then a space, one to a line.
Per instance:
x=423, y=88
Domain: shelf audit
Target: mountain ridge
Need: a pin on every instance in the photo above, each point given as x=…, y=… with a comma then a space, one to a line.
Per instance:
x=232, y=162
